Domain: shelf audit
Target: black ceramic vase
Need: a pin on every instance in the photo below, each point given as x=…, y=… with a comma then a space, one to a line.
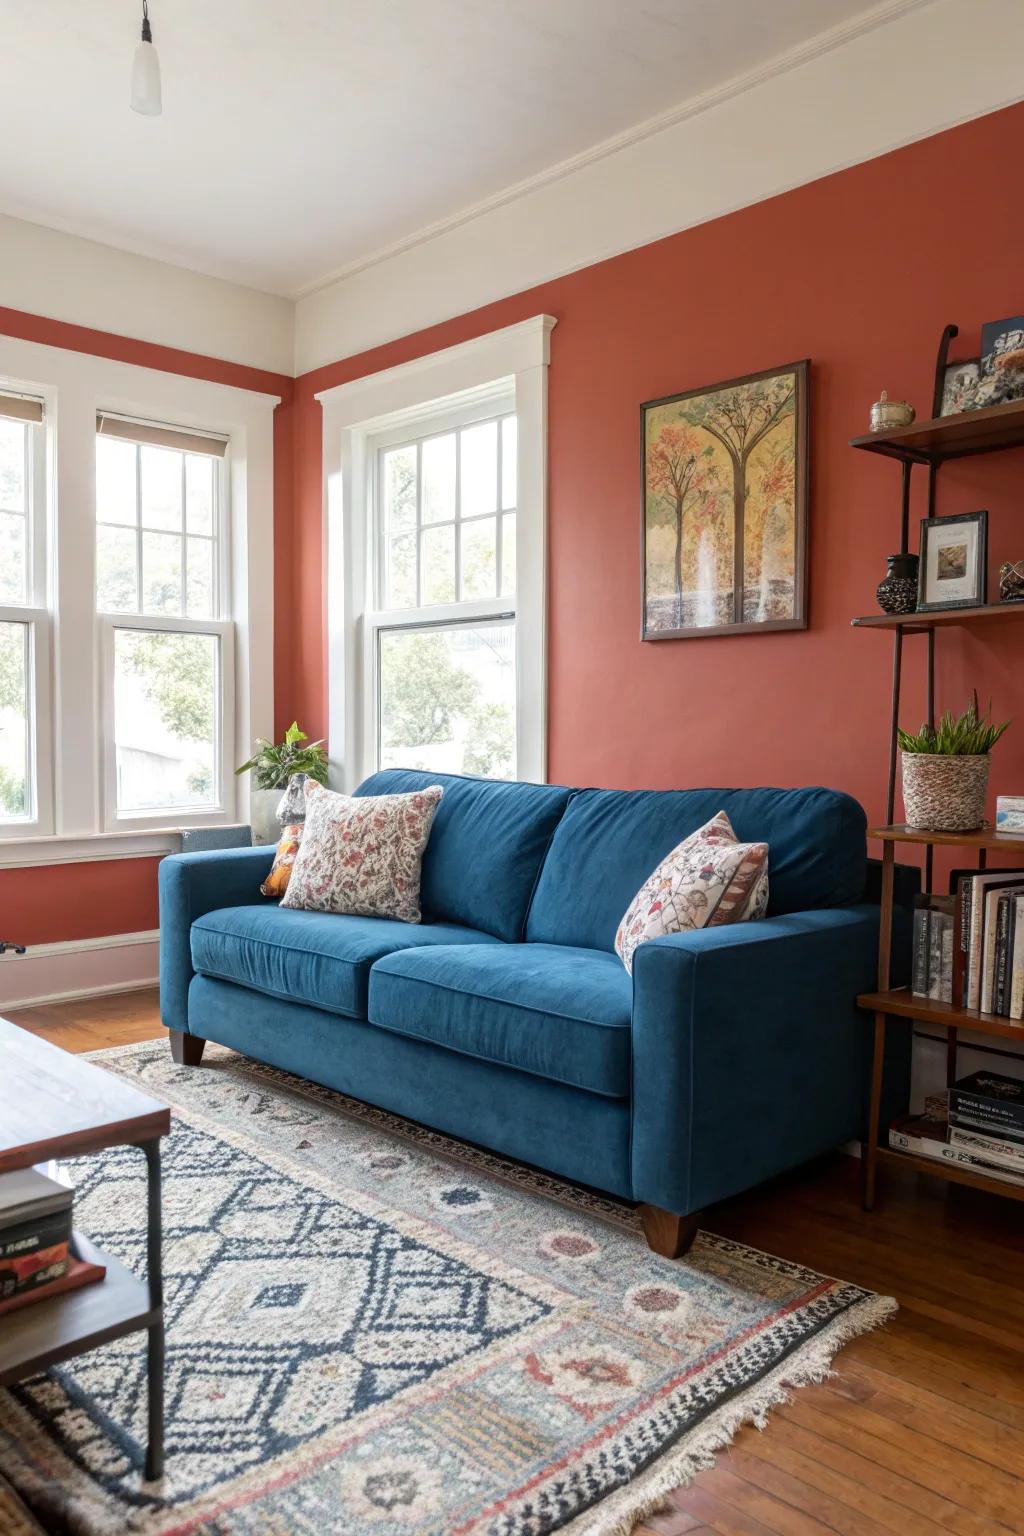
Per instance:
x=898, y=592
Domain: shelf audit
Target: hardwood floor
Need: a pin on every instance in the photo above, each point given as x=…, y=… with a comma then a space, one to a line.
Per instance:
x=921, y=1430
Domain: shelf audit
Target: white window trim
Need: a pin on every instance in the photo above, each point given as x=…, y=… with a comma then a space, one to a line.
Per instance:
x=74, y=387
x=510, y=362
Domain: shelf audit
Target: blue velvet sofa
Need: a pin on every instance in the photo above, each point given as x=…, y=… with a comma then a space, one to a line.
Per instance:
x=507, y=1019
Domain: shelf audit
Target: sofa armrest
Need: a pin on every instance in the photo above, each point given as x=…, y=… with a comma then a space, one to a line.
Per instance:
x=191, y=884
x=749, y=1052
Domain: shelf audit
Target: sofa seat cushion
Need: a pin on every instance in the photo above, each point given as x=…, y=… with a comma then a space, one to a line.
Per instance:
x=310, y=957
x=558, y=1013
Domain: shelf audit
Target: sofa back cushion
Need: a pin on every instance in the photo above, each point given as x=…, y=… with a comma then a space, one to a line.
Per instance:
x=486, y=846
x=609, y=841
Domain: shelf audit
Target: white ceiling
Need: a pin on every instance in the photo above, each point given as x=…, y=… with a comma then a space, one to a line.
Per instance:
x=301, y=137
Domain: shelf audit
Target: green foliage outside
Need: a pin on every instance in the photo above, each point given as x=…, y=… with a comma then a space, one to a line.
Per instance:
x=12, y=697
x=423, y=693
x=970, y=735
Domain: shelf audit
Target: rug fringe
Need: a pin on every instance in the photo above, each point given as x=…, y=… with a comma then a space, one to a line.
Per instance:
x=648, y=1493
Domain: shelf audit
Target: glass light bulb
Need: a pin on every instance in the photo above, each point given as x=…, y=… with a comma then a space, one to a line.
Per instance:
x=146, y=81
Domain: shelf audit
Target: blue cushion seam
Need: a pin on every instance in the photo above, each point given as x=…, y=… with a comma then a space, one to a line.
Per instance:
x=544, y=858
x=494, y=1061
x=548, y=1013
x=285, y=997
x=319, y=954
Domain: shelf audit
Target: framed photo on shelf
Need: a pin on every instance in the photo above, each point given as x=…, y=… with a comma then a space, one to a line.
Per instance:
x=724, y=507
x=960, y=386
x=953, y=568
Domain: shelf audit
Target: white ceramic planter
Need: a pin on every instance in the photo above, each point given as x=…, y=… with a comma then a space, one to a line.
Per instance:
x=263, y=805
x=944, y=794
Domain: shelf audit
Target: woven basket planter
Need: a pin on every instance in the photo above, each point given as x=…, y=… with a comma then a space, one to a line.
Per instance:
x=944, y=794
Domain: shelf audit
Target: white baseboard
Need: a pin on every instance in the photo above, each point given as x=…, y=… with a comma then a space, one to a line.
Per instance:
x=55, y=973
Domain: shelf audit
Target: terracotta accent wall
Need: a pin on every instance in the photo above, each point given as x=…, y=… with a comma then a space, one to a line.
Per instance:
x=40, y=905
x=859, y=272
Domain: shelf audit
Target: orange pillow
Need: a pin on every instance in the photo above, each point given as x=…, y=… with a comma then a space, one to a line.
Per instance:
x=276, y=882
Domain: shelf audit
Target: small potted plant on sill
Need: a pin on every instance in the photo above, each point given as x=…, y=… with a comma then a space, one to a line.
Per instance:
x=271, y=767
x=945, y=771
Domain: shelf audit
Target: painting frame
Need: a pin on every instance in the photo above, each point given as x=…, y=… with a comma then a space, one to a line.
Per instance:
x=931, y=527
x=798, y=619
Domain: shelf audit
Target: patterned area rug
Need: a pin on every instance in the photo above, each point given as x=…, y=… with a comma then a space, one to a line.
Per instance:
x=375, y=1330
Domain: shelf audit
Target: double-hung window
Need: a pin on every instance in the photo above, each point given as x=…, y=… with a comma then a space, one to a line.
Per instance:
x=163, y=601
x=440, y=635
x=25, y=776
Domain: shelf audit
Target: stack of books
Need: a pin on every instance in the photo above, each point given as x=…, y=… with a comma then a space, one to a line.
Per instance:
x=979, y=1126
x=37, y=1252
x=969, y=946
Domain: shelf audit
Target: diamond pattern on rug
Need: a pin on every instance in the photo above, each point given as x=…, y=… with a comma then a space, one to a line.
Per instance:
x=288, y=1313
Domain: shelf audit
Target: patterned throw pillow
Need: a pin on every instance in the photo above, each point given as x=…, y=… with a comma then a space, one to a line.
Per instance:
x=709, y=879
x=362, y=856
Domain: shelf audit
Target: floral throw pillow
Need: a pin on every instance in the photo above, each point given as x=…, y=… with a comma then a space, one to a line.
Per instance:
x=361, y=856
x=709, y=879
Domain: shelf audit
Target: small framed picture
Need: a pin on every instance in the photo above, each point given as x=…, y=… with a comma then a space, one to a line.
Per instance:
x=953, y=569
x=960, y=386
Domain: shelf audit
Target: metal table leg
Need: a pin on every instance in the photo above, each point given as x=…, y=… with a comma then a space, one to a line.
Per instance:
x=155, y=1332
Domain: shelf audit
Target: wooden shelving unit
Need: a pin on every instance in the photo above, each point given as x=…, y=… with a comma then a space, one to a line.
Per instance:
x=921, y=623
x=897, y=1002
x=950, y=437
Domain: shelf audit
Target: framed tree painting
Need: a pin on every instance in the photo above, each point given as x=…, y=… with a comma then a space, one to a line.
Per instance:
x=725, y=486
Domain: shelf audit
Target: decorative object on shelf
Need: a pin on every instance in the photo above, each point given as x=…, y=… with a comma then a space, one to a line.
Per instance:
x=953, y=572
x=897, y=592
x=960, y=387
x=1011, y=581
x=945, y=771
x=725, y=492
x=272, y=767
x=1010, y=813
x=887, y=414
x=1002, y=361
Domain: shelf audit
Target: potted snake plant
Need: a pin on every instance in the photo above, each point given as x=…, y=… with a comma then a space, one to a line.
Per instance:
x=271, y=766
x=945, y=771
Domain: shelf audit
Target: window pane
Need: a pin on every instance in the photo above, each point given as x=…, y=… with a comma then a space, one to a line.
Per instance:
x=199, y=492
x=447, y=699
x=509, y=449
x=13, y=450
x=508, y=555
x=115, y=481
x=199, y=578
x=479, y=558
x=479, y=488
x=13, y=527
x=165, y=708
x=400, y=490
x=439, y=479
x=400, y=572
x=160, y=488
x=14, y=727
x=161, y=572
x=438, y=577
x=117, y=588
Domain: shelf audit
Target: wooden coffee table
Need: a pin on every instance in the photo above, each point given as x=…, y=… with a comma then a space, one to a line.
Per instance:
x=54, y=1105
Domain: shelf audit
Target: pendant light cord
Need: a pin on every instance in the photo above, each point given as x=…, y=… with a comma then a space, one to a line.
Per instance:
x=147, y=33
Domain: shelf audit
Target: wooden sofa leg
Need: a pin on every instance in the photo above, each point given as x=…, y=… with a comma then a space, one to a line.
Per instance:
x=666, y=1233
x=186, y=1050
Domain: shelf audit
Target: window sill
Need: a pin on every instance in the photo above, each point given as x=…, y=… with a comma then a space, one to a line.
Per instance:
x=25, y=852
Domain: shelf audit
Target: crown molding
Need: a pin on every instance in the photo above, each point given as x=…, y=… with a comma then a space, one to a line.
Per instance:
x=781, y=64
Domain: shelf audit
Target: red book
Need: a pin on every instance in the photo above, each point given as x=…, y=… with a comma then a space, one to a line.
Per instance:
x=78, y=1273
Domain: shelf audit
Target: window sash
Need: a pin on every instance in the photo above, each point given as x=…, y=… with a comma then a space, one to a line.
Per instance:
x=441, y=424
x=39, y=758
x=223, y=806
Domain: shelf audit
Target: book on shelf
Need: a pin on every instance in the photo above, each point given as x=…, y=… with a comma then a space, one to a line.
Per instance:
x=989, y=1102
x=994, y=1149
x=1016, y=962
x=934, y=921
x=35, y=1231
x=78, y=1272
x=927, y=1135
x=980, y=939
